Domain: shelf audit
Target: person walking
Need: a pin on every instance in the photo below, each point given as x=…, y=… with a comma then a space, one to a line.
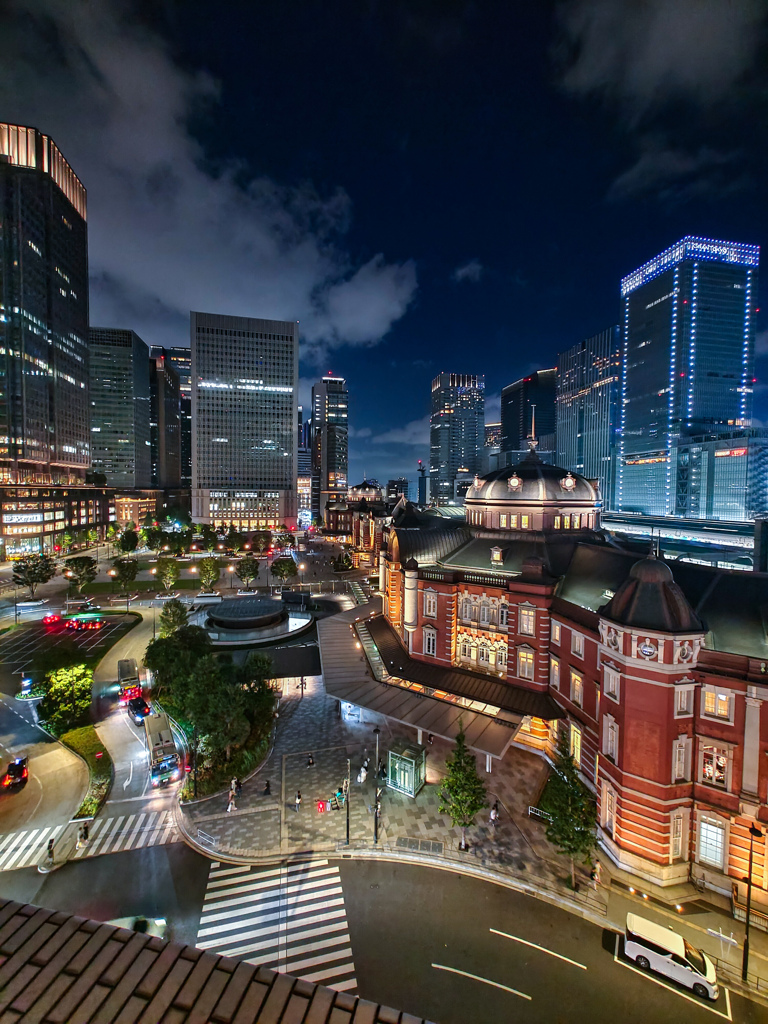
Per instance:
x=231, y=805
x=50, y=850
x=310, y=762
x=233, y=785
x=238, y=787
x=596, y=874
x=494, y=817
x=267, y=789
x=298, y=800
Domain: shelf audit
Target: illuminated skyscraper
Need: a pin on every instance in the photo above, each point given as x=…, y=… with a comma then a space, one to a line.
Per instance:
x=517, y=402
x=687, y=365
x=456, y=432
x=330, y=441
x=244, y=436
x=181, y=360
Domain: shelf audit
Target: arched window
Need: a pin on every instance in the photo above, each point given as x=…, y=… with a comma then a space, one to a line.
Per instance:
x=501, y=657
x=484, y=655
x=466, y=609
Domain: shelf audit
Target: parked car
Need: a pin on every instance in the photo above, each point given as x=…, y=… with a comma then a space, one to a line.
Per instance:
x=16, y=772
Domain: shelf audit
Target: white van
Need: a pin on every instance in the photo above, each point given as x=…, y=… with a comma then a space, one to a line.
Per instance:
x=659, y=949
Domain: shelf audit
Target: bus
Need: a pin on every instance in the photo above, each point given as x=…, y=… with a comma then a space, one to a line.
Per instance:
x=164, y=760
x=128, y=681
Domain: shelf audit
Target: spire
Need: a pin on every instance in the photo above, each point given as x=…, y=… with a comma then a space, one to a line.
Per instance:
x=533, y=441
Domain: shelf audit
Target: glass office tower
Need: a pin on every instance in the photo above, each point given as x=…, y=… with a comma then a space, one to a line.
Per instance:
x=181, y=360
x=457, y=431
x=538, y=389
x=687, y=365
x=587, y=407
x=245, y=374
x=330, y=442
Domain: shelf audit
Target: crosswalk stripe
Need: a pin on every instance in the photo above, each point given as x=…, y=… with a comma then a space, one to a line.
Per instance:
x=288, y=918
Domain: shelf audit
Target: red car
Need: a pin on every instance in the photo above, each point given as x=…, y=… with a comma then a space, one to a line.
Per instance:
x=51, y=620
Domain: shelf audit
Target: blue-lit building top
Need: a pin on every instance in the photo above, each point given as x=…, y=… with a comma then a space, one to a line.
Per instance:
x=686, y=365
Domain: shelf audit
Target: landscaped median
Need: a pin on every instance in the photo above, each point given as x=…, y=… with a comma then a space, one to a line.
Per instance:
x=85, y=742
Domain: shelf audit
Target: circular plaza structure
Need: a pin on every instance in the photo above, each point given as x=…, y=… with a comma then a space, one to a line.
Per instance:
x=247, y=613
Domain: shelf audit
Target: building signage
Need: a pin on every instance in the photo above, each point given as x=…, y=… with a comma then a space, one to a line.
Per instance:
x=723, y=452
x=22, y=517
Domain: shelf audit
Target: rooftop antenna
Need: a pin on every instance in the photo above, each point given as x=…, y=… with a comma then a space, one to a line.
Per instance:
x=533, y=442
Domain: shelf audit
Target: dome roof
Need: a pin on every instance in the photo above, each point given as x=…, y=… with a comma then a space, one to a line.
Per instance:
x=532, y=481
x=365, y=486
x=650, y=599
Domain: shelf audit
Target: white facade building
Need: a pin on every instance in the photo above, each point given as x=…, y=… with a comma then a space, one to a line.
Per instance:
x=244, y=435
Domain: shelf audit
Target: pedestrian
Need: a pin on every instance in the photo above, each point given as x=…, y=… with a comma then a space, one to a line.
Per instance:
x=50, y=850
x=238, y=787
x=86, y=834
x=298, y=800
x=595, y=874
x=496, y=807
x=233, y=785
x=362, y=776
x=267, y=789
x=310, y=762
x=430, y=739
x=494, y=817
x=231, y=805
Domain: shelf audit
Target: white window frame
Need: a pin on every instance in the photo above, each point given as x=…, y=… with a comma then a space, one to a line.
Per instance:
x=577, y=689
x=430, y=604
x=480, y=659
x=485, y=613
x=503, y=614
x=555, y=632
x=574, y=743
x=712, y=837
x=464, y=643
x=526, y=659
x=611, y=738
x=526, y=617
x=676, y=827
x=429, y=642
x=612, y=683
x=718, y=749
x=608, y=806
x=577, y=644
x=723, y=699
x=554, y=672
x=501, y=657
x=684, y=700
x=681, y=760
x=466, y=609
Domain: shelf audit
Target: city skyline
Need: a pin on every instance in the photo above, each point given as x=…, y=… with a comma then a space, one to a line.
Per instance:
x=305, y=225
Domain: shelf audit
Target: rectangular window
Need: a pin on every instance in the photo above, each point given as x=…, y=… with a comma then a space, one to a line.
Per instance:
x=679, y=759
x=611, y=740
x=683, y=702
x=527, y=621
x=503, y=614
x=555, y=633
x=608, y=808
x=525, y=664
x=577, y=687
x=430, y=604
x=611, y=682
x=503, y=522
x=430, y=642
x=554, y=672
x=717, y=705
x=524, y=522
x=577, y=645
x=575, y=745
x=714, y=767
x=676, y=836
x=711, y=842
x=501, y=657
x=557, y=522
x=513, y=521
x=484, y=618
x=484, y=656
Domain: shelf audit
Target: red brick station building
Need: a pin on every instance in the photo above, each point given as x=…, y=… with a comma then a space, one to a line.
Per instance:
x=527, y=612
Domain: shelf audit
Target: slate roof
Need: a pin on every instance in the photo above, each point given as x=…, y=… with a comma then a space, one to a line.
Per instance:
x=55, y=967
x=651, y=599
x=473, y=685
x=556, y=550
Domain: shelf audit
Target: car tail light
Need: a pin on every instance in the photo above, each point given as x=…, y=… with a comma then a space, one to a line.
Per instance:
x=6, y=780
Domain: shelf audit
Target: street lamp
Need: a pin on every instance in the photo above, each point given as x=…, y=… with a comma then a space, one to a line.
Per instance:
x=754, y=833
x=230, y=570
x=113, y=573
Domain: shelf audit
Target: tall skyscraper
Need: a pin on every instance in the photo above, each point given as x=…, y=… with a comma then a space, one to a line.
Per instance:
x=245, y=374
x=588, y=406
x=687, y=365
x=181, y=360
x=44, y=415
x=304, y=472
x=492, y=435
x=456, y=431
x=517, y=400
x=120, y=408
x=165, y=420
x=330, y=441
x=397, y=488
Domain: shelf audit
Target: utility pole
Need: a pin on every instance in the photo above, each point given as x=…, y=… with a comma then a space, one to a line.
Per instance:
x=754, y=833
x=349, y=788
x=376, y=813
x=194, y=762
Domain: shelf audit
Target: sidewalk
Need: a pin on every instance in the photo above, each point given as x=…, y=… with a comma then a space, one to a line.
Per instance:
x=516, y=852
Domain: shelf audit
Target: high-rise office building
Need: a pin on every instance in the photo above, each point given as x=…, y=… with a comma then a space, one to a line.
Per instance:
x=538, y=389
x=120, y=408
x=181, y=360
x=588, y=407
x=456, y=431
x=245, y=375
x=44, y=415
x=397, y=489
x=330, y=441
x=304, y=472
x=165, y=420
x=492, y=435
x=687, y=365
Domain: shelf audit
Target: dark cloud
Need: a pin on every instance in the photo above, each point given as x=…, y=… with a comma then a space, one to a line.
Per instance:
x=676, y=174
x=416, y=433
x=170, y=231
x=471, y=271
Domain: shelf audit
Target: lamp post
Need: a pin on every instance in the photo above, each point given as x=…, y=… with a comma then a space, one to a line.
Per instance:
x=349, y=790
x=376, y=732
x=113, y=573
x=754, y=833
x=230, y=570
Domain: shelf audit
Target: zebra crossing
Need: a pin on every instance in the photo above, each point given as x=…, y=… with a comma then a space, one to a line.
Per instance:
x=26, y=848
x=289, y=918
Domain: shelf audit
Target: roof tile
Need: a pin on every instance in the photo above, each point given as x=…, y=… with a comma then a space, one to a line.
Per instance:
x=166, y=993
x=272, y=1010
x=201, y=1012
x=128, y=954
x=230, y=1000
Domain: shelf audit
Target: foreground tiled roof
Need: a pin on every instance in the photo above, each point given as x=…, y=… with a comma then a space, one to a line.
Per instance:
x=58, y=968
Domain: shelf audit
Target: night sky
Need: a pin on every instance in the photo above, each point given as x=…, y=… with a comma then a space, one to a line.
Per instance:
x=425, y=185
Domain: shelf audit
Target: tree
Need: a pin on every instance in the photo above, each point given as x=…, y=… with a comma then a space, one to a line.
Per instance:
x=247, y=569
x=126, y=569
x=342, y=562
x=261, y=540
x=128, y=541
x=153, y=537
x=82, y=570
x=92, y=536
x=259, y=698
x=172, y=617
x=172, y=658
x=112, y=531
x=216, y=705
x=572, y=829
x=209, y=571
x=235, y=540
x=148, y=521
x=285, y=538
x=32, y=570
x=168, y=572
x=284, y=569
x=208, y=537
x=463, y=793
x=67, y=700
x=66, y=541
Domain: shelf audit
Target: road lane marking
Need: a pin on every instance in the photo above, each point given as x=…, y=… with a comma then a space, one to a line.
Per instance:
x=704, y=1004
x=127, y=782
x=525, y=942
x=485, y=981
